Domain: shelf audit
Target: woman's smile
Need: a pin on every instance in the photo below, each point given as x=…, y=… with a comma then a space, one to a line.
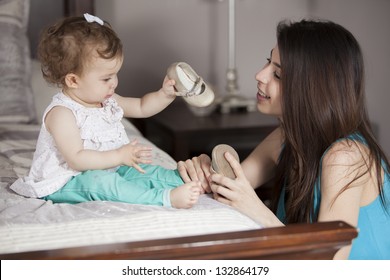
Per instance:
x=261, y=95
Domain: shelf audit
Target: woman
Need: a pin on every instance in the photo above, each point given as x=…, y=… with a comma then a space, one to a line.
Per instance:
x=323, y=158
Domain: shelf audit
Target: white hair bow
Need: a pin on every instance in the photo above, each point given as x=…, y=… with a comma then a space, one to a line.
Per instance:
x=91, y=18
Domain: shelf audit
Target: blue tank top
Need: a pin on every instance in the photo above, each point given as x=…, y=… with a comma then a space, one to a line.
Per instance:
x=373, y=240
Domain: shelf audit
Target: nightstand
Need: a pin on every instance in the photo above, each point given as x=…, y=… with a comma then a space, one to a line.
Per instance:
x=183, y=135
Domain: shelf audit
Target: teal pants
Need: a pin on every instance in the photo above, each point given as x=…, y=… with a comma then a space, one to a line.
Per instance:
x=125, y=185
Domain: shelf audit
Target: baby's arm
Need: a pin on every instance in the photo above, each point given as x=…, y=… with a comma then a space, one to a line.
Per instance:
x=150, y=104
x=61, y=124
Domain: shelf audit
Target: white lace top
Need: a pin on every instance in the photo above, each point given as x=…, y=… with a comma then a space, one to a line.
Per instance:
x=100, y=129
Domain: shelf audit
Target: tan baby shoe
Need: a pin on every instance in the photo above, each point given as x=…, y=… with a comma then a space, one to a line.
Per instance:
x=219, y=164
x=190, y=85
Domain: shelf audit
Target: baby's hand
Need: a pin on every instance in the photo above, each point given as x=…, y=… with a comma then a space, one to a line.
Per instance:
x=132, y=154
x=168, y=87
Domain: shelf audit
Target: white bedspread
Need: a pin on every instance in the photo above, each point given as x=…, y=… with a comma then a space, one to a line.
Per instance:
x=28, y=224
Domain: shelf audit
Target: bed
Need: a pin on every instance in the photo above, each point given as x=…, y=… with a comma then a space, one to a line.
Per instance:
x=37, y=229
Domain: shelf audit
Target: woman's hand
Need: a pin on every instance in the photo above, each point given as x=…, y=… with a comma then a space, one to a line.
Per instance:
x=239, y=194
x=196, y=169
x=133, y=154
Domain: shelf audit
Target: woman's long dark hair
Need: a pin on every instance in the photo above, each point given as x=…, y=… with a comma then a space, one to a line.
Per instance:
x=323, y=99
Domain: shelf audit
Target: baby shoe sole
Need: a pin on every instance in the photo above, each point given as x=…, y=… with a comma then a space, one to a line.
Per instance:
x=219, y=164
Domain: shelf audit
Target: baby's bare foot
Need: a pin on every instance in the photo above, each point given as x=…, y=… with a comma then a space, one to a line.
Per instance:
x=186, y=195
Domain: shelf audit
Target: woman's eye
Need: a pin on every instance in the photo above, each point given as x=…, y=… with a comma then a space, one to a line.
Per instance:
x=276, y=74
x=106, y=80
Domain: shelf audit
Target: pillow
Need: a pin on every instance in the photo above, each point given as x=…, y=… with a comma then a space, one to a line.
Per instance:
x=16, y=98
x=43, y=92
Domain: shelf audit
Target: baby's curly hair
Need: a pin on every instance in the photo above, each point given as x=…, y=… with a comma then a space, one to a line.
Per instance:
x=67, y=46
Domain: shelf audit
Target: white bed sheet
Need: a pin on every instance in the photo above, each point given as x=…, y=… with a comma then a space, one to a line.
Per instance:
x=28, y=224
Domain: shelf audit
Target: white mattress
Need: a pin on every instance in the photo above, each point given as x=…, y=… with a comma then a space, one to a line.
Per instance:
x=28, y=224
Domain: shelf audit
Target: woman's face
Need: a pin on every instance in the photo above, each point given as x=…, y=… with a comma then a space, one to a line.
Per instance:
x=268, y=86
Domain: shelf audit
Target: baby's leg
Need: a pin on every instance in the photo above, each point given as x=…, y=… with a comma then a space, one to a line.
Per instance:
x=185, y=196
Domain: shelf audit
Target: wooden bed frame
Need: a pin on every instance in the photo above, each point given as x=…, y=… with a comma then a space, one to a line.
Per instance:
x=298, y=241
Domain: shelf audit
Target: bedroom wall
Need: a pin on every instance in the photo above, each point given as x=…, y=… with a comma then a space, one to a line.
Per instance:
x=369, y=21
x=156, y=33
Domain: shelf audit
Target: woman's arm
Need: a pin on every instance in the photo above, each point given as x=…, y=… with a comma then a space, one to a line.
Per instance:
x=347, y=184
x=150, y=104
x=240, y=194
x=259, y=166
x=255, y=170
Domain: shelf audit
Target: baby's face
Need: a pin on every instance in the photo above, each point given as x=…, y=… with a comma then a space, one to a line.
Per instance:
x=98, y=81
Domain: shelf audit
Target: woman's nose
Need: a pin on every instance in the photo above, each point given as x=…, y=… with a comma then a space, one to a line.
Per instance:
x=261, y=76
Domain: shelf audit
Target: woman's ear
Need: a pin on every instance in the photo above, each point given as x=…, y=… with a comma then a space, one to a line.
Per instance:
x=71, y=80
